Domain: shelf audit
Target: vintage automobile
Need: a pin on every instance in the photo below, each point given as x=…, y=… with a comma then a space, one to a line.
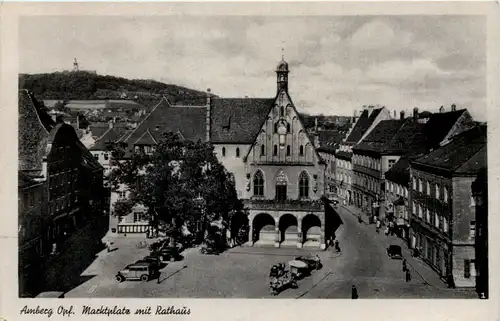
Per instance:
x=394, y=252
x=168, y=253
x=154, y=260
x=143, y=271
x=277, y=270
x=280, y=283
x=313, y=262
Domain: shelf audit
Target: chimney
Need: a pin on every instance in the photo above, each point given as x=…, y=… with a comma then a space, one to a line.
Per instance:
x=453, y=107
x=395, y=114
x=415, y=113
x=402, y=114
x=208, y=115
x=441, y=109
x=78, y=121
x=316, y=124
x=354, y=117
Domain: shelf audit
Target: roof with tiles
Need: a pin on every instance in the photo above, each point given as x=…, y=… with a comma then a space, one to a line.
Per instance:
x=112, y=135
x=364, y=122
x=238, y=120
x=464, y=154
x=189, y=120
x=329, y=140
x=381, y=136
x=400, y=172
x=34, y=132
x=439, y=125
x=341, y=154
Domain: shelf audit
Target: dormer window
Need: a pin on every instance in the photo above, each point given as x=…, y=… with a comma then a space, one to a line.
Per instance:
x=227, y=124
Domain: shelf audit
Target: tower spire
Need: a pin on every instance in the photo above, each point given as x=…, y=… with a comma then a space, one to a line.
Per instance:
x=282, y=54
x=75, y=65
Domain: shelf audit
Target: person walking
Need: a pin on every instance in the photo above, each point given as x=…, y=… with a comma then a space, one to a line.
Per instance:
x=408, y=275
x=108, y=245
x=337, y=246
x=354, y=293
x=405, y=267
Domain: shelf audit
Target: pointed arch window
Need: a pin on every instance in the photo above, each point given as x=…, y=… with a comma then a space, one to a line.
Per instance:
x=258, y=184
x=303, y=185
x=237, y=152
x=288, y=128
x=275, y=150
x=223, y=151
x=288, y=150
x=276, y=127
x=262, y=150
x=301, y=150
x=282, y=111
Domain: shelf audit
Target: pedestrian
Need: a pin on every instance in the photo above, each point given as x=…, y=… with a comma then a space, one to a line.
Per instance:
x=354, y=293
x=408, y=275
x=378, y=224
x=404, y=265
x=337, y=247
x=387, y=230
x=108, y=245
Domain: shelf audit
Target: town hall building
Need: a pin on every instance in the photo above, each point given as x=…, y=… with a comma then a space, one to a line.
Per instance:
x=263, y=143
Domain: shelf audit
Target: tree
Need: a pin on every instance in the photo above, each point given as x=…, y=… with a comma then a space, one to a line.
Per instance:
x=180, y=184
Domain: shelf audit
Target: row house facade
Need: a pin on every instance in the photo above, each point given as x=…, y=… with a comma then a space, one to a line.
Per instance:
x=329, y=142
x=51, y=154
x=273, y=160
x=443, y=209
x=375, y=155
x=32, y=205
x=438, y=128
x=369, y=118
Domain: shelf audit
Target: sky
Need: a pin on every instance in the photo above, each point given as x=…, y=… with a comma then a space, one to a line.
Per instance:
x=337, y=63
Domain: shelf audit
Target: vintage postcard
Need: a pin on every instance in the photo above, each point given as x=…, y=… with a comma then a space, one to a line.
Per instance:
x=240, y=161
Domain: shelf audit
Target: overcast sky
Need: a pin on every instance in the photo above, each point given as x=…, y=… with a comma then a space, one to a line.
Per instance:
x=337, y=64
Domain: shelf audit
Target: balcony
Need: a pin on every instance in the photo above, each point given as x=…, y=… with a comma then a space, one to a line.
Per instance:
x=288, y=205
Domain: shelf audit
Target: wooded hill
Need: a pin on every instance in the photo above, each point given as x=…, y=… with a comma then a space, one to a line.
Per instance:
x=82, y=85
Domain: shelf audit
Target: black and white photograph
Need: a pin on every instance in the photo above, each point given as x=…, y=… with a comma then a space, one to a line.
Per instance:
x=264, y=155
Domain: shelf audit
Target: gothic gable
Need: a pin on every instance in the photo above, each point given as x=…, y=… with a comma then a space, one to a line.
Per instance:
x=282, y=137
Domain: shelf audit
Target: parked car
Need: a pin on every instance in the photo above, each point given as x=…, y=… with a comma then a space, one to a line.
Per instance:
x=169, y=253
x=143, y=271
x=394, y=251
x=154, y=260
x=313, y=262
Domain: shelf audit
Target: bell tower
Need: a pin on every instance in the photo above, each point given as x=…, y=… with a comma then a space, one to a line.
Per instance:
x=282, y=74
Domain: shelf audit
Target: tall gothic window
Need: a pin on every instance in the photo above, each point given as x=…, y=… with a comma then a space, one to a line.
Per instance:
x=282, y=111
x=301, y=150
x=275, y=150
x=303, y=185
x=288, y=128
x=281, y=186
x=262, y=150
x=258, y=184
x=288, y=150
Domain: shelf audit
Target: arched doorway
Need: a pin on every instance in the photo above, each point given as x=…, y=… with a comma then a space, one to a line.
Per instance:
x=239, y=228
x=263, y=229
x=311, y=228
x=288, y=230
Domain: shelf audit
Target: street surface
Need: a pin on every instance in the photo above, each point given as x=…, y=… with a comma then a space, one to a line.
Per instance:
x=243, y=272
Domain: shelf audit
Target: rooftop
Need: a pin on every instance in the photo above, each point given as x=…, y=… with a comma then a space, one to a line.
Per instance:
x=34, y=128
x=364, y=122
x=238, y=120
x=111, y=135
x=463, y=154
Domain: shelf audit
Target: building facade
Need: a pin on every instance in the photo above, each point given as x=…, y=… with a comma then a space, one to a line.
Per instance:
x=443, y=210
x=369, y=118
x=262, y=142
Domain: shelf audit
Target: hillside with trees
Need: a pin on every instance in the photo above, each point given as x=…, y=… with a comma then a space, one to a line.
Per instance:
x=82, y=85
